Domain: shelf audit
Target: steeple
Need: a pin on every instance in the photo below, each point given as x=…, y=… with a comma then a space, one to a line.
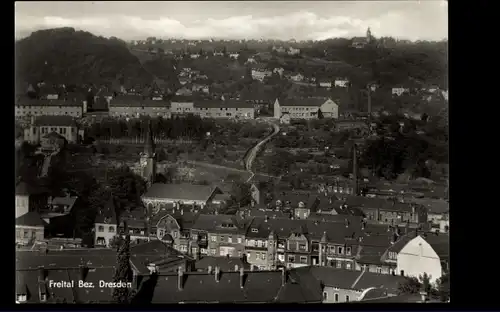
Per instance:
x=149, y=148
x=368, y=35
x=355, y=169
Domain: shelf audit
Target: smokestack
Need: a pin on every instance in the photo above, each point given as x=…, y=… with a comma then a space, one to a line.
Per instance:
x=83, y=272
x=242, y=278
x=209, y=269
x=217, y=274
x=369, y=104
x=180, y=279
x=41, y=273
x=283, y=276
x=355, y=169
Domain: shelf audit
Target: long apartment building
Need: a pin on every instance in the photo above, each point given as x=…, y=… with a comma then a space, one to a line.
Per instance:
x=136, y=105
x=59, y=107
x=305, y=108
x=208, y=108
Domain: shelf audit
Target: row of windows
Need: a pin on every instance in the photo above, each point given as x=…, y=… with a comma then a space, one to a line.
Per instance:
x=137, y=108
x=213, y=238
x=61, y=130
x=258, y=243
x=335, y=297
x=302, y=259
x=111, y=229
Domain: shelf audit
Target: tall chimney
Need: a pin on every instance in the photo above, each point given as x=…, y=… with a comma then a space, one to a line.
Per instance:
x=283, y=276
x=180, y=278
x=83, y=272
x=217, y=274
x=242, y=277
x=209, y=269
x=41, y=273
x=369, y=105
x=355, y=169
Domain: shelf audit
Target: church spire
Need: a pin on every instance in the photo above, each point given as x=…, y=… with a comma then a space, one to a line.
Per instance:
x=149, y=148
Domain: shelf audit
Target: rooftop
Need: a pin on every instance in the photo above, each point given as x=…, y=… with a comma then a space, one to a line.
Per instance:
x=183, y=191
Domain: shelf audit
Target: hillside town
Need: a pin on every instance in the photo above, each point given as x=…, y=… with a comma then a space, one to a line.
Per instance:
x=233, y=176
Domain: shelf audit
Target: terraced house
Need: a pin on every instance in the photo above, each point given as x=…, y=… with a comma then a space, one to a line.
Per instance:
x=136, y=105
x=219, y=235
x=230, y=109
x=58, y=107
x=305, y=108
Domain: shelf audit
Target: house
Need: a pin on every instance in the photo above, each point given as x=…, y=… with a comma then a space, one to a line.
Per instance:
x=40, y=126
x=186, y=90
x=437, y=210
x=49, y=92
x=30, y=228
x=279, y=49
x=217, y=286
x=219, y=235
x=29, y=198
x=155, y=256
x=182, y=105
x=58, y=208
x=279, y=71
x=199, y=87
x=361, y=42
x=184, y=80
x=161, y=194
x=343, y=286
x=297, y=77
x=426, y=253
x=234, y=55
x=106, y=225
x=399, y=91
x=61, y=107
x=134, y=106
x=230, y=109
x=306, y=108
x=285, y=119
x=293, y=51
x=260, y=74
x=194, y=55
x=52, y=142
x=251, y=60
x=135, y=224
x=341, y=83
x=325, y=83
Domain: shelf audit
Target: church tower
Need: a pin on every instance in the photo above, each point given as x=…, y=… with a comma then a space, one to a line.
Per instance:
x=148, y=158
x=368, y=35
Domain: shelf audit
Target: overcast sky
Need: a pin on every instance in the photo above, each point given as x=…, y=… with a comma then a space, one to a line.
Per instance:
x=300, y=20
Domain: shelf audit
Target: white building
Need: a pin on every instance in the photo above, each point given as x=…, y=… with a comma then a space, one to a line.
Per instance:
x=429, y=254
x=399, y=91
x=260, y=74
x=298, y=77
x=341, y=83
x=234, y=55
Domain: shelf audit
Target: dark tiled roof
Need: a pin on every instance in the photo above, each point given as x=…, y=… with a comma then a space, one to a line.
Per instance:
x=59, y=102
x=54, y=135
x=312, y=102
x=108, y=214
x=389, y=283
x=440, y=243
x=55, y=121
x=182, y=99
x=332, y=277
x=137, y=101
x=31, y=218
x=66, y=258
x=225, y=264
x=218, y=223
x=258, y=287
x=222, y=104
x=27, y=189
x=66, y=201
x=183, y=191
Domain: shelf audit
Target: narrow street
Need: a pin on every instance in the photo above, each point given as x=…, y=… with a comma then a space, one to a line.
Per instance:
x=253, y=152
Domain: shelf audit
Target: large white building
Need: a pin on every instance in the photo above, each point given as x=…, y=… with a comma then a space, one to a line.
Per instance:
x=425, y=254
x=306, y=108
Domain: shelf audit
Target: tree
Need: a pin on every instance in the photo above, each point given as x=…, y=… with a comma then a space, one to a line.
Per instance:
x=320, y=114
x=411, y=285
x=240, y=193
x=123, y=273
x=443, y=287
x=127, y=187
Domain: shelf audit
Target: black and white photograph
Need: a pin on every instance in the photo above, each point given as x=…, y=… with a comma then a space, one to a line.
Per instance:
x=231, y=152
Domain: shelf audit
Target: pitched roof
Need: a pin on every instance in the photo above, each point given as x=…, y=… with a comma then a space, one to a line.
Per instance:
x=258, y=287
x=108, y=214
x=218, y=223
x=66, y=201
x=53, y=135
x=311, y=102
x=440, y=243
x=31, y=218
x=55, y=121
x=137, y=101
x=23, y=188
x=222, y=104
x=183, y=191
x=225, y=264
x=182, y=99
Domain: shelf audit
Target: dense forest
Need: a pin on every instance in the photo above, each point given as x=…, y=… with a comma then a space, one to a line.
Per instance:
x=64, y=55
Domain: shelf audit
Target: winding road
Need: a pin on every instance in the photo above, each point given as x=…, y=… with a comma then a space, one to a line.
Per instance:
x=253, y=152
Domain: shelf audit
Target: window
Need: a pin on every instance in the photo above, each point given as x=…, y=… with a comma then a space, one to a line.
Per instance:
x=291, y=258
x=111, y=229
x=332, y=249
x=239, y=240
x=348, y=266
x=402, y=272
x=222, y=238
x=213, y=238
x=263, y=256
x=203, y=251
x=346, y=298
x=379, y=270
x=339, y=264
x=303, y=259
x=229, y=239
x=101, y=228
x=26, y=234
x=255, y=230
x=348, y=251
x=259, y=243
x=213, y=251
x=22, y=298
x=340, y=250
x=325, y=295
x=302, y=247
x=336, y=297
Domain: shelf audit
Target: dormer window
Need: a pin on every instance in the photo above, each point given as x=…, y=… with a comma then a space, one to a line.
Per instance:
x=301, y=205
x=254, y=230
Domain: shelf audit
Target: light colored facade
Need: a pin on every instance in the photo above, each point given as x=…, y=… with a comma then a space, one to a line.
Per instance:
x=325, y=84
x=297, y=77
x=135, y=107
x=26, y=235
x=341, y=83
x=260, y=74
x=306, y=108
x=418, y=257
x=182, y=105
x=42, y=125
x=230, y=109
x=399, y=91
x=49, y=107
x=104, y=233
x=22, y=204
